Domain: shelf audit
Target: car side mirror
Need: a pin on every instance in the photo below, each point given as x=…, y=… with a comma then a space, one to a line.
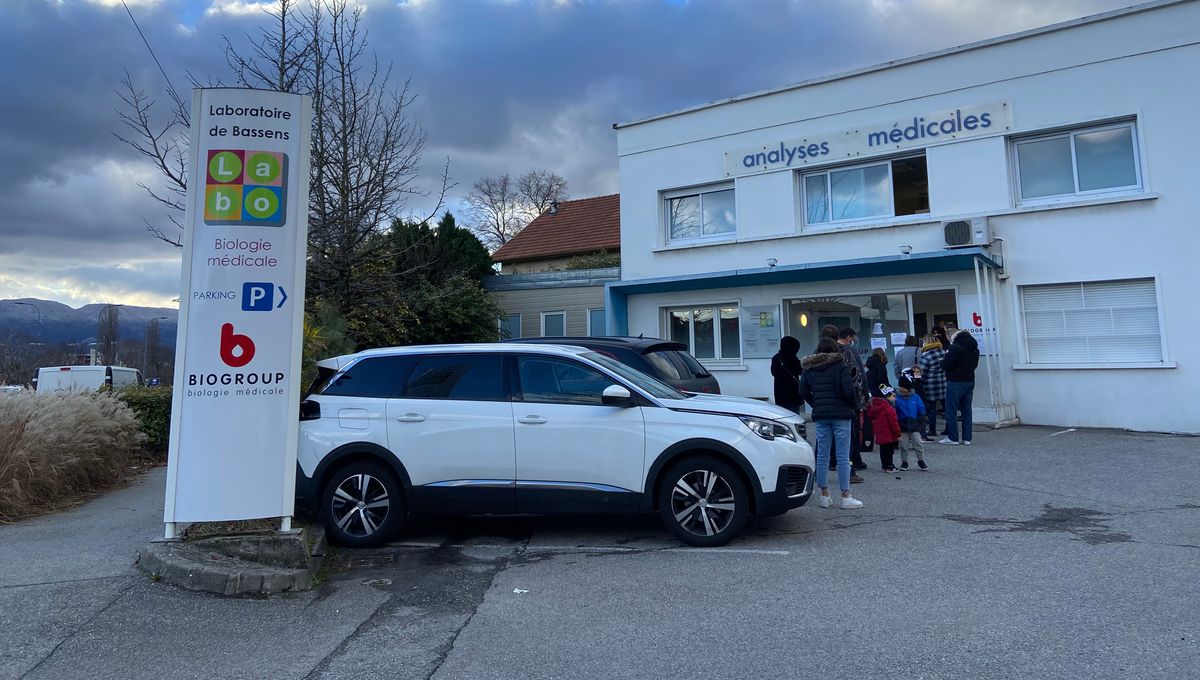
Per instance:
x=617, y=395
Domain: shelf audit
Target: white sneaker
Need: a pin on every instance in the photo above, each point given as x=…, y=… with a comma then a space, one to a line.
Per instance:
x=850, y=503
x=946, y=440
x=966, y=443
x=825, y=501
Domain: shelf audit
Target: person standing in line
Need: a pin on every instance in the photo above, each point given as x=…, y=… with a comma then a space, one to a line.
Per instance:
x=847, y=339
x=933, y=380
x=906, y=356
x=886, y=425
x=960, y=363
x=831, y=331
x=910, y=411
x=786, y=369
x=826, y=386
x=877, y=375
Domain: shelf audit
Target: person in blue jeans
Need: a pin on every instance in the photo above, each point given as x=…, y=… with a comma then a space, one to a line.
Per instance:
x=827, y=387
x=959, y=364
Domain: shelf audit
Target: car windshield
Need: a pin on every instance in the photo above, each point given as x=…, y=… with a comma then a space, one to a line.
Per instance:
x=651, y=386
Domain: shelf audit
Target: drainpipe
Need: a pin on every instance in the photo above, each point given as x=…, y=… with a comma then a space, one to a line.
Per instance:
x=987, y=361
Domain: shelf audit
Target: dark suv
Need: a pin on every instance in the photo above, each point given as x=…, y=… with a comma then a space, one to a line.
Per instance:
x=663, y=359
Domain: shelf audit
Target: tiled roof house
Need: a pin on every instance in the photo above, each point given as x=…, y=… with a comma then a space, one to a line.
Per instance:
x=543, y=286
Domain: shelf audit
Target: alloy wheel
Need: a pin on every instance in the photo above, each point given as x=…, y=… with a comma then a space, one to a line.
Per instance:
x=703, y=503
x=360, y=505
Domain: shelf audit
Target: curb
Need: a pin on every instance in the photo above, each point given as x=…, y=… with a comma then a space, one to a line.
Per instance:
x=208, y=565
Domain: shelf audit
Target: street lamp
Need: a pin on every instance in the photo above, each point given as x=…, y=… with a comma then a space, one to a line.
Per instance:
x=146, y=345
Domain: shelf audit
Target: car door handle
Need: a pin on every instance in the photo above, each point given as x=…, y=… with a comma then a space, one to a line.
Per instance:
x=532, y=420
x=411, y=418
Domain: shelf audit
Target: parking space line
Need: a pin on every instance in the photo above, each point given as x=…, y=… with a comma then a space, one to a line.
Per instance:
x=588, y=548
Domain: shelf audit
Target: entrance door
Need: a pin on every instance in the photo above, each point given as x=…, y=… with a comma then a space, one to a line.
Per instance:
x=933, y=308
x=878, y=319
x=574, y=454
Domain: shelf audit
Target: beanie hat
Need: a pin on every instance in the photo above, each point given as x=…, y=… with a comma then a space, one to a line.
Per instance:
x=885, y=391
x=906, y=380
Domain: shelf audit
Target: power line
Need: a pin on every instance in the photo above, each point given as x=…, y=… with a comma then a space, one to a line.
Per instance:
x=148, y=48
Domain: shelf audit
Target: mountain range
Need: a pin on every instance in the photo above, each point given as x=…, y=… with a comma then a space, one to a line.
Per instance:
x=62, y=323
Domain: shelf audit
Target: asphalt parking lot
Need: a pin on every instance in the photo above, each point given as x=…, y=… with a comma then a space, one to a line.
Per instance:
x=1035, y=553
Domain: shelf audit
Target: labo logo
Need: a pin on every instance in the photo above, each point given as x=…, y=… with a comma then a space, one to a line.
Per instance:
x=245, y=188
x=236, y=349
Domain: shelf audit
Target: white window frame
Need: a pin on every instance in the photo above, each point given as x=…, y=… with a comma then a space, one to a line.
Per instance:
x=665, y=203
x=563, y=312
x=589, y=318
x=832, y=223
x=1071, y=133
x=717, y=360
x=1019, y=300
x=500, y=323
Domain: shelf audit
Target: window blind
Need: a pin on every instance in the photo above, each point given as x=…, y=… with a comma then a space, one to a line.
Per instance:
x=1094, y=322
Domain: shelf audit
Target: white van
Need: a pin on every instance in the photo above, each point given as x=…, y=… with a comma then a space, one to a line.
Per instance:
x=84, y=378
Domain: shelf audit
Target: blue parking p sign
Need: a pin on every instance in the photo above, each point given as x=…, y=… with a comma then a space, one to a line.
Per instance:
x=258, y=297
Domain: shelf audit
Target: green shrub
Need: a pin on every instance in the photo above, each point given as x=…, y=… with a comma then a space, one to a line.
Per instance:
x=152, y=406
x=57, y=446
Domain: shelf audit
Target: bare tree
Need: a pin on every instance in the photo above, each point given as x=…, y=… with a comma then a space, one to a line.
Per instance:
x=499, y=207
x=494, y=210
x=108, y=332
x=166, y=145
x=366, y=147
x=539, y=190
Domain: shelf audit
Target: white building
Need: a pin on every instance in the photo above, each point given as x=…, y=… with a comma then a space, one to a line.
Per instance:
x=1060, y=163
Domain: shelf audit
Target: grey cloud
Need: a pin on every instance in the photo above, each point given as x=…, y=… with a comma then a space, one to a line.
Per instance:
x=503, y=86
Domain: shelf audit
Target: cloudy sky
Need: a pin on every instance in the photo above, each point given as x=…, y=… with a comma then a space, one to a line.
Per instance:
x=503, y=85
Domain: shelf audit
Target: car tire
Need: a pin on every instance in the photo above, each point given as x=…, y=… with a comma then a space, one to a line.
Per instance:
x=703, y=501
x=362, y=505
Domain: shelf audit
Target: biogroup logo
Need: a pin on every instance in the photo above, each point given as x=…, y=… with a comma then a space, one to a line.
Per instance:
x=245, y=188
x=237, y=349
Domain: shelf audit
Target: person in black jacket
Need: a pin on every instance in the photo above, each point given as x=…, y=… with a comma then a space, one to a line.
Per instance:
x=960, y=363
x=826, y=385
x=877, y=375
x=786, y=369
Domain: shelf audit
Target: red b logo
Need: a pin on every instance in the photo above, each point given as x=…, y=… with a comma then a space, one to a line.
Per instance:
x=976, y=319
x=236, y=349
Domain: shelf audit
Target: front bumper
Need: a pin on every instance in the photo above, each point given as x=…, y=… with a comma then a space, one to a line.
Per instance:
x=792, y=489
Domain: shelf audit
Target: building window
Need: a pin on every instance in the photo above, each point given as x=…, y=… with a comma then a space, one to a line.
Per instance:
x=698, y=214
x=554, y=324
x=711, y=333
x=597, y=321
x=510, y=326
x=1092, y=323
x=1077, y=162
x=863, y=192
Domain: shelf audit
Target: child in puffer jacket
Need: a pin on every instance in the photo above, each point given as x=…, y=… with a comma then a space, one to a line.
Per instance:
x=886, y=426
x=910, y=410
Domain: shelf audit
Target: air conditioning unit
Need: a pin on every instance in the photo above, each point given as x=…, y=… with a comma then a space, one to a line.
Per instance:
x=967, y=233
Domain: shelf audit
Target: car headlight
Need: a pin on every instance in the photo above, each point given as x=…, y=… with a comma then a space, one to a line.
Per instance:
x=768, y=429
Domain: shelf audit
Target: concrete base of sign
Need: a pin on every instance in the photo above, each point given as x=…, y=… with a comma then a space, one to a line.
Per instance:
x=254, y=564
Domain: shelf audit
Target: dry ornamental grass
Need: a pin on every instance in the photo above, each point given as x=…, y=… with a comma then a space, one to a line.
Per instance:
x=55, y=447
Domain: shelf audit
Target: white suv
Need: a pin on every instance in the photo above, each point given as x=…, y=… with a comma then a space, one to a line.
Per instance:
x=536, y=429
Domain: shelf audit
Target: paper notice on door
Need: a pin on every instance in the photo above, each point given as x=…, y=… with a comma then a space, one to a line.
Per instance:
x=878, y=343
x=898, y=339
